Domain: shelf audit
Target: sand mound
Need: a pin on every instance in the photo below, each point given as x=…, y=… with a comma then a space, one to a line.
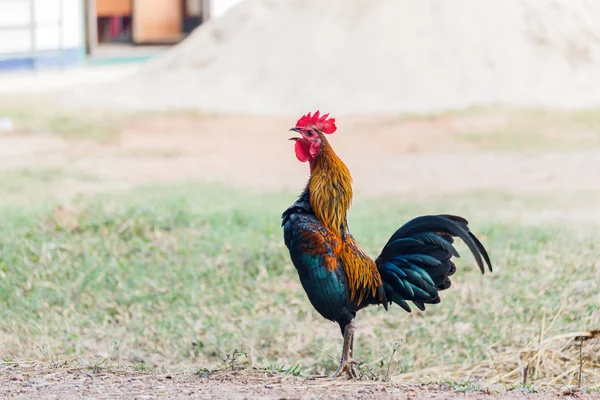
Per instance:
x=375, y=56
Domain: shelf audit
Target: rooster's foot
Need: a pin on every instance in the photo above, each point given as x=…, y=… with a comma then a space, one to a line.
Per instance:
x=346, y=367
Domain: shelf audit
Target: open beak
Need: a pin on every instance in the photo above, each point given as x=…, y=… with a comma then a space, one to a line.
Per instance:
x=295, y=130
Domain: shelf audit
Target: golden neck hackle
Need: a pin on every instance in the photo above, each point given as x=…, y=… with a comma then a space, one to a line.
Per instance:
x=330, y=188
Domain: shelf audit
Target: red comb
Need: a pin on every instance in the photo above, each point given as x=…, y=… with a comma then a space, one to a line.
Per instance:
x=324, y=124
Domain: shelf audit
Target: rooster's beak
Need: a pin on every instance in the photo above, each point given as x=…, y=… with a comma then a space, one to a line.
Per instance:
x=295, y=130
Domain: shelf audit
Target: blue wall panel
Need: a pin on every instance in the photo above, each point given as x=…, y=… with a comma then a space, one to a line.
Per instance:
x=50, y=59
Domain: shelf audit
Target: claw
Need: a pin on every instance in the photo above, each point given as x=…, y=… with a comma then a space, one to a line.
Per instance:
x=346, y=367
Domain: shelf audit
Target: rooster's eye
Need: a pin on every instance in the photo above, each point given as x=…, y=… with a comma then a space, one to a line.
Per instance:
x=309, y=132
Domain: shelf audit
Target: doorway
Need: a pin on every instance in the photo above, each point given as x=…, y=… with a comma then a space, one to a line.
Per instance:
x=140, y=26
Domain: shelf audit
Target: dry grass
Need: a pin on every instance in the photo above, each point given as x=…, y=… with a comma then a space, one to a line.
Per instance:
x=517, y=130
x=43, y=115
x=569, y=359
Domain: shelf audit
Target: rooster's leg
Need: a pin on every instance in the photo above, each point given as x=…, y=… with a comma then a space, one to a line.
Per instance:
x=352, y=342
x=347, y=363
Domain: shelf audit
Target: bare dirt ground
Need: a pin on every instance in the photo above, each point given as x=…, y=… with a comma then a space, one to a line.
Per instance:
x=386, y=155
x=83, y=383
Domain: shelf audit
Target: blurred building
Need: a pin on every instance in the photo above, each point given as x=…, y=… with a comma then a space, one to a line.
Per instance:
x=40, y=33
x=58, y=33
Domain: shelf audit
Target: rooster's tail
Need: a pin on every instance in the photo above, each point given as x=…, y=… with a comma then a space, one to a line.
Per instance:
x=416, y=262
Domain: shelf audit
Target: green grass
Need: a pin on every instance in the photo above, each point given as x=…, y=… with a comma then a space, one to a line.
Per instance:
x=184, y=275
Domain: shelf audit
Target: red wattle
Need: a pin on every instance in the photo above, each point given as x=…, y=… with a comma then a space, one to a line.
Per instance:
x=302, y=151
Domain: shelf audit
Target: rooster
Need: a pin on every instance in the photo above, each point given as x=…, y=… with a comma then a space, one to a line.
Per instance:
x=338, y=277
